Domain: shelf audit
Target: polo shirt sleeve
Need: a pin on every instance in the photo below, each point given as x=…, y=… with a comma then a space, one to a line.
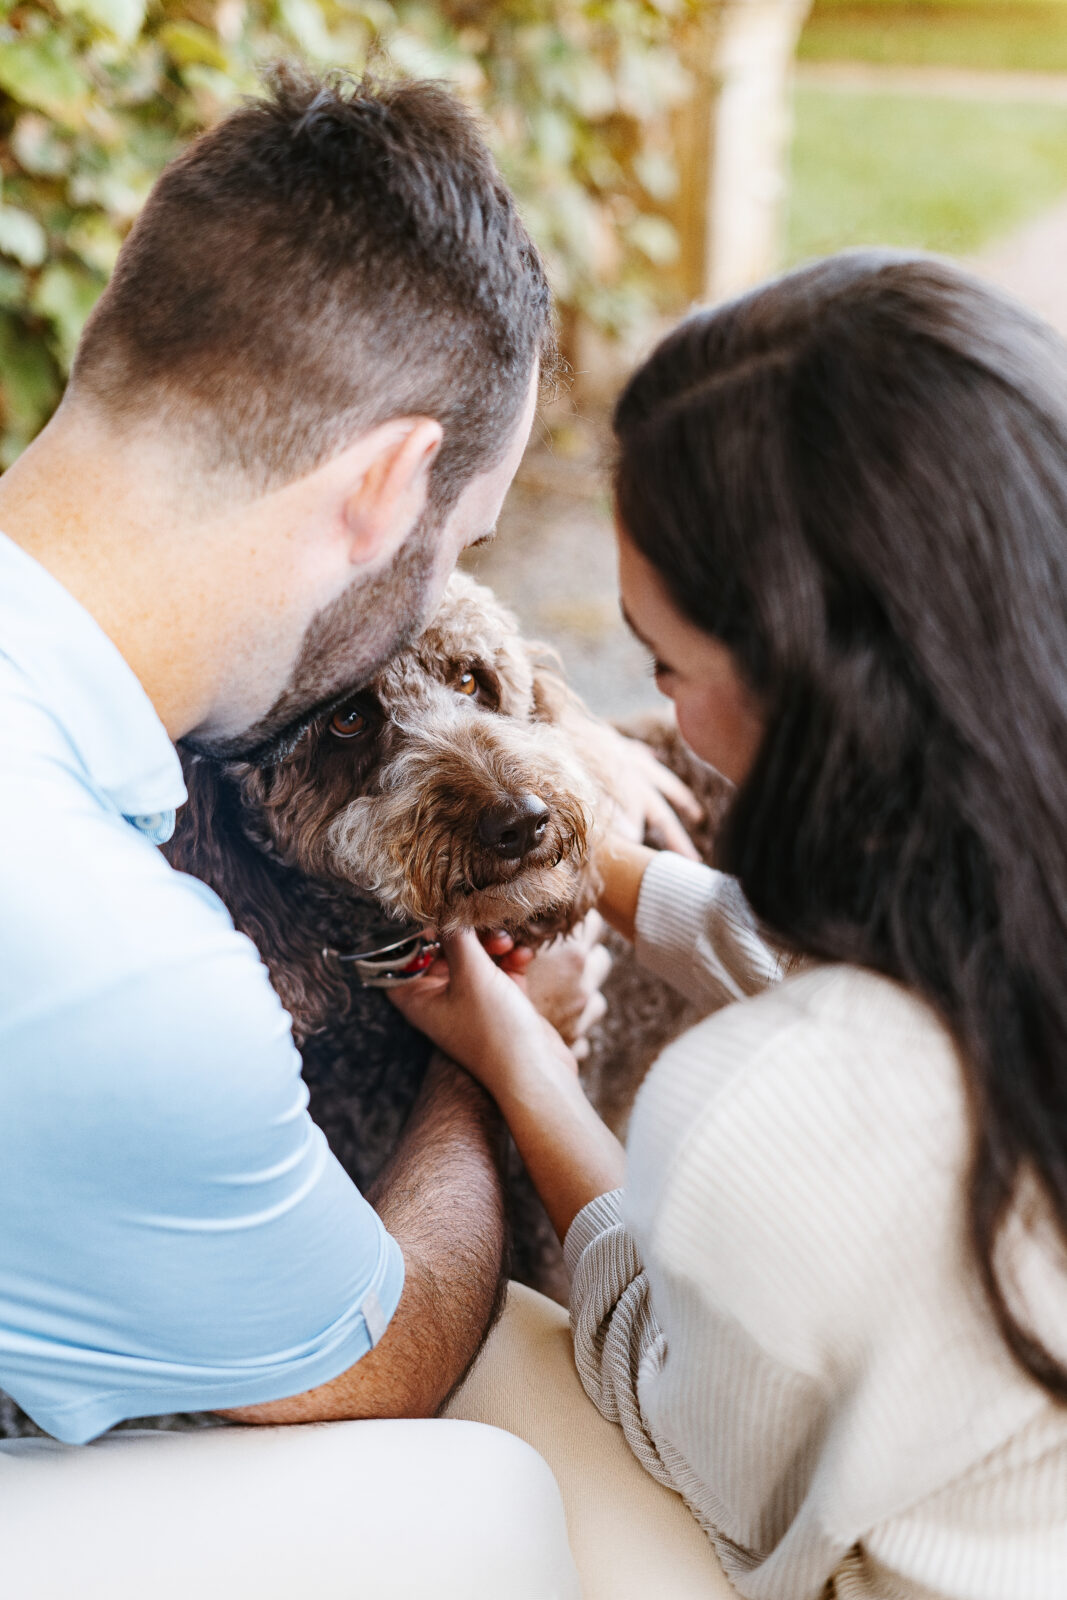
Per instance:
x=177, y=1234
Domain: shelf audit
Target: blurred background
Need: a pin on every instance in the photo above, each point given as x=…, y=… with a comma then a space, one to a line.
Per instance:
x=664, y=152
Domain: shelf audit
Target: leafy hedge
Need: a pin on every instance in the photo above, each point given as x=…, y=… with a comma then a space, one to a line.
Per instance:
x=96, y=95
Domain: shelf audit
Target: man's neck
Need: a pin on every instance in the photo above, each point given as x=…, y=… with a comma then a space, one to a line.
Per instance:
x=98, y=516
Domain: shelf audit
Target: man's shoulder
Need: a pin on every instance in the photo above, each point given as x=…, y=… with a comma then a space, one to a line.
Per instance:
x=34, y=743
x=78, y=877
x=103, y=946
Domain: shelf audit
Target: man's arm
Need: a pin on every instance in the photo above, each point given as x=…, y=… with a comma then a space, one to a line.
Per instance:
x=441, y=1199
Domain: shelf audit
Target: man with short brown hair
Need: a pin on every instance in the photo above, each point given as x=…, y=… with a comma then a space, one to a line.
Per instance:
x=304, y=392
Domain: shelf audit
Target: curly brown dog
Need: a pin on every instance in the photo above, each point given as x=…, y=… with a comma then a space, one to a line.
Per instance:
x=455, y=790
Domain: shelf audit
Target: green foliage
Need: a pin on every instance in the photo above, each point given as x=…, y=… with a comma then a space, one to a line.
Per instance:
x=937, y=174
x=97, y=95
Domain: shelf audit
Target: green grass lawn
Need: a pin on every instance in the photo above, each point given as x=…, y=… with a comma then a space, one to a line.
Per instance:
x=1022, y=35
x=945, y=175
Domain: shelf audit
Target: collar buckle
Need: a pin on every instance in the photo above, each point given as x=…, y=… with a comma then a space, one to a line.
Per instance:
x=390, y=965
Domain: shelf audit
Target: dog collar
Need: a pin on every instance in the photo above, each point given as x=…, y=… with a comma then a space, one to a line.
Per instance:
x=389, y=965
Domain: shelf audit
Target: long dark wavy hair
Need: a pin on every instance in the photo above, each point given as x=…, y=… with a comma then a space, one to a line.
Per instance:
x=856, y=479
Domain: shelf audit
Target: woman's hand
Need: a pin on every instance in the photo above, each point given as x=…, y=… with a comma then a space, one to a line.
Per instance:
x=621, y=867
x=478, y=1015
x=651, y=800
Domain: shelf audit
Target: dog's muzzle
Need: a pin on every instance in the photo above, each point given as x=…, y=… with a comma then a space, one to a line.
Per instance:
x=390, y=965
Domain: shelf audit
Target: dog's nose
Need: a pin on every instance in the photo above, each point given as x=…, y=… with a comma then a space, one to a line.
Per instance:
x=515, y=828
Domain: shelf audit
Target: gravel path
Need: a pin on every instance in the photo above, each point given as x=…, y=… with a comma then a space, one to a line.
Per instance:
x=950, y=83
x=553, y=561
x=1032, y=264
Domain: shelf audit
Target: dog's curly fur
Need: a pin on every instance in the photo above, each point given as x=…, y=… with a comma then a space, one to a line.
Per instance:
x=342, y=838
x=332, y=842
x=370, y=821
x=349, y=834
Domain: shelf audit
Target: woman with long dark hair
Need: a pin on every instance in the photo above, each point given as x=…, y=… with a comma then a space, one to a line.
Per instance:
x=830, y=1304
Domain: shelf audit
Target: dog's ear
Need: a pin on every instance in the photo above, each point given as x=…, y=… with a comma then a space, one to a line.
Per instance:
x=210, y=844
x=594, y=741
x=553, y=700
x=198, y=845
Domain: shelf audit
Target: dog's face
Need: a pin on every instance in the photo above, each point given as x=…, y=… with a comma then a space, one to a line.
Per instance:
x=442, y=790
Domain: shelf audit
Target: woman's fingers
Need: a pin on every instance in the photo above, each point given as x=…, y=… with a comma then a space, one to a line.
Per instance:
x=651, y=799
x=674, y=790
x=517, y=960
x=663, y=824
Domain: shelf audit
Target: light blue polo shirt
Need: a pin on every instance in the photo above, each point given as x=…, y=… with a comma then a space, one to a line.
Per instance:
x=174, y=1233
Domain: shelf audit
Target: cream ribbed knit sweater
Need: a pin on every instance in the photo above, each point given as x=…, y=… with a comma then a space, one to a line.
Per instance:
x=781, y=1309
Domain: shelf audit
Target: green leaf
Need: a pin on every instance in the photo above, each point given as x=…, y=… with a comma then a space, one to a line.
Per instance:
x=211, y=93
x=123, y=19
x=65, y=294
x=22, y=237
x=553, y=134
x=657, y=174
x=188, y=42
x=304, y=21
x=104, y=92
x=38, y=146
x=29, y=385
x=41, y=72
x=655, y=238
x=12, y=286
x=96, y=241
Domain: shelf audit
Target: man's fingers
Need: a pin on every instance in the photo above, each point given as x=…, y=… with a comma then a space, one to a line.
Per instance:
x=589, y=931
x=597, y=967
x=596, y=1008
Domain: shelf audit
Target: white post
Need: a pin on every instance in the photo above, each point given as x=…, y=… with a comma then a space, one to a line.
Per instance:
x=734, y=142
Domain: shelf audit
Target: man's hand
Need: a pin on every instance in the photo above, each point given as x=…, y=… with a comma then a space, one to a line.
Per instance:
x=441, y=1199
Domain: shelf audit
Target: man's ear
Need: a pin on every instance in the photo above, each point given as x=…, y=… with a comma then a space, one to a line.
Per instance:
x=391, y=475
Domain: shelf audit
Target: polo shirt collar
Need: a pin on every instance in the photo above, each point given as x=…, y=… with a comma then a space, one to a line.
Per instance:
x=91, y=691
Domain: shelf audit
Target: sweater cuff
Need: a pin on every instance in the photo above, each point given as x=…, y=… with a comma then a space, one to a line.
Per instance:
x=592, y=1220
x=675, y=898
x=695, y=930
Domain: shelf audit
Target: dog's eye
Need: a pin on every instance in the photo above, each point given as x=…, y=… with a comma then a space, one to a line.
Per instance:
x=348, y=724
x=466, y=683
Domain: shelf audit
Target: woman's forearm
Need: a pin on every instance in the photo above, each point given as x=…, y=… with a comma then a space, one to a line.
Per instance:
x=570, y=1154
x=622, y=866
x=480, y=1017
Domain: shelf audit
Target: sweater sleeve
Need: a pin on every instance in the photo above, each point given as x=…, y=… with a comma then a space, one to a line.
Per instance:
x=779, y=1310
x=616, y=1336
x=696, y=931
